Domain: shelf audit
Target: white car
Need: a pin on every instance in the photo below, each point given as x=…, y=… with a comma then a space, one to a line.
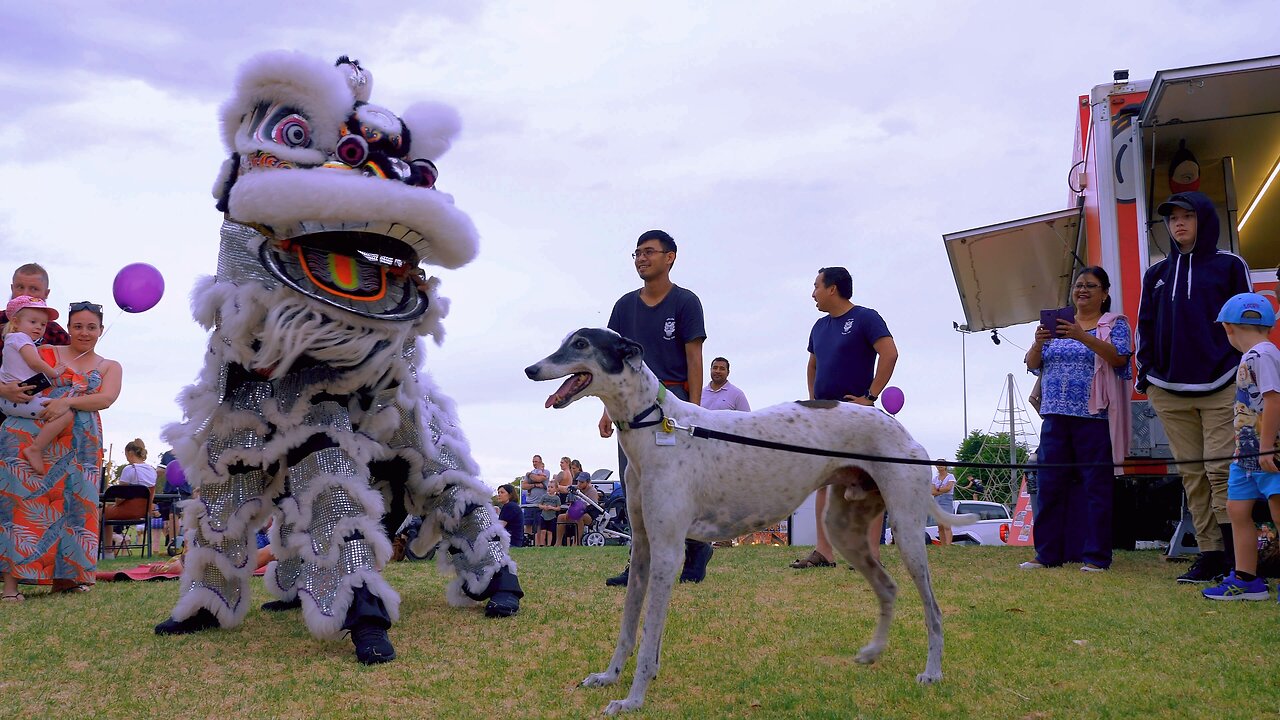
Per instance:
x=992, y=528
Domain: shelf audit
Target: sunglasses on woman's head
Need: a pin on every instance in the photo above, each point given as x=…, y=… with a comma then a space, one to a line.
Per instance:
x=85, y=305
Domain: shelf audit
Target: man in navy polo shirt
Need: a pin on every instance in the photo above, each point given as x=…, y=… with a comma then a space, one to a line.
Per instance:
x=851, y=358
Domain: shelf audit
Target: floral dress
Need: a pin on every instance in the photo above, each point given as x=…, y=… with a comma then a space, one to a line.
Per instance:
x=49, y=525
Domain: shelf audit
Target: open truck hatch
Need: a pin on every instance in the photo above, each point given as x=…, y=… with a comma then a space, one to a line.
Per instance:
x=1228, y=116
x=1008, y=273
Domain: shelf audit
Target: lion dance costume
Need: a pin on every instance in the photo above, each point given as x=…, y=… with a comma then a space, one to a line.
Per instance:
x=311, y=410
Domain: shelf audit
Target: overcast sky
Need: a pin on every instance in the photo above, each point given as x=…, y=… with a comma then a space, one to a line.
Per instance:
x=769, y=138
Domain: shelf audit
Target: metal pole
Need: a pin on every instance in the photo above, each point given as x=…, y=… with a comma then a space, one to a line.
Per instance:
x=964, y=382
x=1013, y=444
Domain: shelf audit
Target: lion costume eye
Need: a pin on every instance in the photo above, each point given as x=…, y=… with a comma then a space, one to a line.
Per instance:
x=292, y=131
x=423, y=173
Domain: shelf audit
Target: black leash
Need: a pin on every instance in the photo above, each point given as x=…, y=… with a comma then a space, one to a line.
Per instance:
x=704, y=433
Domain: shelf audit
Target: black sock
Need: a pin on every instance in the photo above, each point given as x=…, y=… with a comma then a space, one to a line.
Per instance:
x=1245, y=577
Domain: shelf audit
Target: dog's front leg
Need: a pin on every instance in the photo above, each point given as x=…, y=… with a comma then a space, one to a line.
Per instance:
x=665, y=560
x=637, y=585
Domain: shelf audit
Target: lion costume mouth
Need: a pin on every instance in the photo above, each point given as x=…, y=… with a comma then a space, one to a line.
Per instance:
x=365, y=268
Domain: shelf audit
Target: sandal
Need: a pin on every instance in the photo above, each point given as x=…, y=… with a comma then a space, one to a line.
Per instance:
x=813, y=560
x=16, y=597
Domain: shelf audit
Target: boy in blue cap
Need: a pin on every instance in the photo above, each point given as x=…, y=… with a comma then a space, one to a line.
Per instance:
x=1247, y=318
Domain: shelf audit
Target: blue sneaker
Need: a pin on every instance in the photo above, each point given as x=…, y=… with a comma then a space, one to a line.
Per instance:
x=1232, y=589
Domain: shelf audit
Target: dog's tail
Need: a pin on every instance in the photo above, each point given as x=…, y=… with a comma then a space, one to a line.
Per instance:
x=946, y=518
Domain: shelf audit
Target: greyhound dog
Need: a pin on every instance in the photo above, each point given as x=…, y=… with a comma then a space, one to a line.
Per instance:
x=682, y=486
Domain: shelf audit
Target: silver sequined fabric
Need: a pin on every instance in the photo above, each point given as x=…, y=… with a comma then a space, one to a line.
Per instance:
x=242, y=438
x=227, y=589
x=329, y=461
x=222, y=500
x=495, y=557
x=330, y=507
x=236, y=262
x=329, y=414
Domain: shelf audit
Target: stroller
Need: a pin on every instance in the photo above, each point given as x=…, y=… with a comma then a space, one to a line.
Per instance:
x=609, y=521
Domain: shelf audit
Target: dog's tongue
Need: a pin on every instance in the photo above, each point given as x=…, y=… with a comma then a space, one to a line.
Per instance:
x=561, y=393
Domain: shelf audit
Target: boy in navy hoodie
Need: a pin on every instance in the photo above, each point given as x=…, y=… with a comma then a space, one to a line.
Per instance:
x=1188, y=369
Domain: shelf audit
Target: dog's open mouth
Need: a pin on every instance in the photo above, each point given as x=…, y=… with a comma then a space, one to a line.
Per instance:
x=573, y=385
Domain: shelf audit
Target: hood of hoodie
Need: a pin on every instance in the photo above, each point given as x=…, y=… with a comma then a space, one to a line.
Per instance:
x=1207, y=228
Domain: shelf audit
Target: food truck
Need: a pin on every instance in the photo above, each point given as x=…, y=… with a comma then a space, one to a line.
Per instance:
x=1213, y=128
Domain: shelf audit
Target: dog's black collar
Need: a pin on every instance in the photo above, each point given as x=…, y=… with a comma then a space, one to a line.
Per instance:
x=639, y=421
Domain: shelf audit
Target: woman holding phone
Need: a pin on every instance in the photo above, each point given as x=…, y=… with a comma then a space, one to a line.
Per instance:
x=1083, y=364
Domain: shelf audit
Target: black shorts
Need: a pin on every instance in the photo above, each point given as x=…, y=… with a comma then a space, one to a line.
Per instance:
x=548, y=525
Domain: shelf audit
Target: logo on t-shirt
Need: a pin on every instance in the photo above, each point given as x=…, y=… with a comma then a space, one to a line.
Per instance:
x=669, y=328
x=848, y=326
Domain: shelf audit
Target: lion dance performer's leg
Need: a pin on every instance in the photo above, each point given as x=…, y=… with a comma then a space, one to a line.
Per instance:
x=224, y=461
x=459, y=515
x=431, y=468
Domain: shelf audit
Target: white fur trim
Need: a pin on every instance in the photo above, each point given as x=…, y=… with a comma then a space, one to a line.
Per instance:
x=284, y=197
x=432, y=128
x=271, y=582
x=316, y=87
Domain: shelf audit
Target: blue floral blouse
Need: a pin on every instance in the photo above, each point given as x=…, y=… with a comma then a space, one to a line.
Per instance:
x=1066, y=372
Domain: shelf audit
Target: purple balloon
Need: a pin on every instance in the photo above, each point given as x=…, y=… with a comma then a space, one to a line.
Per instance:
x=138, y=287
x=892, y=399
x=576, y=509
x=174, y=476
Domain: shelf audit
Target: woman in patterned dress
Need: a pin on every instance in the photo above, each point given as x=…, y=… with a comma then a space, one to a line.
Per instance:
x=1085, y=404
x=49, y=524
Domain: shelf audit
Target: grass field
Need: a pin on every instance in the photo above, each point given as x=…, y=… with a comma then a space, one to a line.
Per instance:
x=756, y=640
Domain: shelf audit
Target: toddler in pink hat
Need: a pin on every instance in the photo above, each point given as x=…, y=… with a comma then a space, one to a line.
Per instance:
x=21, y=362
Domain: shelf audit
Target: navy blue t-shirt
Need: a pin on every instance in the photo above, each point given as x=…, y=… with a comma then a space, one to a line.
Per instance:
x=511, y=515
x=845, y=350
x=662, y=330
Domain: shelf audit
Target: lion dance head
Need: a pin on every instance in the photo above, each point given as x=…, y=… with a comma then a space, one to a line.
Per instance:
x=341, y=191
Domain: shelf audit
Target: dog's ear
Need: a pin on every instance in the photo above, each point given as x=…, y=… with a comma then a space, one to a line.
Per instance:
x=632, y=352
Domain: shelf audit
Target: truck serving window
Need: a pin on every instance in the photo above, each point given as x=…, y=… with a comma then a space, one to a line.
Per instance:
x=1216, y=129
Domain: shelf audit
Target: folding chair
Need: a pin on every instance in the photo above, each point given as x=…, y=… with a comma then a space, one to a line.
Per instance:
x=116, y=495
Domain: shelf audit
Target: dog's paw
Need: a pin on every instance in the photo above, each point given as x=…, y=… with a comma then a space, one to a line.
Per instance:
x=928, y=678
x=618, y=706
x=869, y=654
x=600, y=679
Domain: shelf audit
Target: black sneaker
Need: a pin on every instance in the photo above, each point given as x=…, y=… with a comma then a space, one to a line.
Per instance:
x=282, y=605
x=372, y=644
x=620, y=579
x=696, y=557
x=502, y=604
x=1208, y=567
x=203, y=620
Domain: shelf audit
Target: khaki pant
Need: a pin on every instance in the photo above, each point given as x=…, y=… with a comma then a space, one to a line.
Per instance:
x=1200, y=427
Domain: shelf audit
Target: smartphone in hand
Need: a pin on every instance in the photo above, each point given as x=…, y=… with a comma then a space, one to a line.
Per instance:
x=40, y=383
x=1049, y=318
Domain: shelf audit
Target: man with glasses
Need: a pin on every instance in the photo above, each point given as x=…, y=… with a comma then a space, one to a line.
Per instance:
x=666, y=320
x=1188, y=369
x=30, y=279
